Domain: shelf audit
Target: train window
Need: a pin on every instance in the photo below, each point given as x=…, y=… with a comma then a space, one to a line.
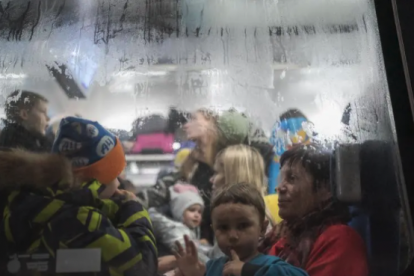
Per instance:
x=299, y=71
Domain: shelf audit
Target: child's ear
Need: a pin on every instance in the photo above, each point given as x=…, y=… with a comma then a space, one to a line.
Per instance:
x=264, y=226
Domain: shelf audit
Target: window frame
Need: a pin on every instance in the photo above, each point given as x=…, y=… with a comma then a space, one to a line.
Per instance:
x=394, y=22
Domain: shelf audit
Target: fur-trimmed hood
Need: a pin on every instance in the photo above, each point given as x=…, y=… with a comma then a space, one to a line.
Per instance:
x=23, y=169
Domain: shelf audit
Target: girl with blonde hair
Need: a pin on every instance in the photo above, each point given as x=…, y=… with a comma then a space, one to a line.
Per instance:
x=244, y=164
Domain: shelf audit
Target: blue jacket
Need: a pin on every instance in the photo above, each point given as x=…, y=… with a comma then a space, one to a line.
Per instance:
x=261, y=265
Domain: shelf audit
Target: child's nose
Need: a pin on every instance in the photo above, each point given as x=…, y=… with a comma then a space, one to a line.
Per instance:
x=233, y=235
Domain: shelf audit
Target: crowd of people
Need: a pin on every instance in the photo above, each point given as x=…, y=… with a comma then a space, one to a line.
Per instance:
x=211, y=215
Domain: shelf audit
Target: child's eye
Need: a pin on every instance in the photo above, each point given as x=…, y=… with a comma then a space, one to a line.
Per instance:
x=222, y=227
x=244, y=225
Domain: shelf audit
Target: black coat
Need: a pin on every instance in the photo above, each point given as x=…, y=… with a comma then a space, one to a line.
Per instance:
x=16, y=136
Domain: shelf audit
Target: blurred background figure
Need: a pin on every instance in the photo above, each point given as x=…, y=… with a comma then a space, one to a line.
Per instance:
x=293, y=128
x=26, y=122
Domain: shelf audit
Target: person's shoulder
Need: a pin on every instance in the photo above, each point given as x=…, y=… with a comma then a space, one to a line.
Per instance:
x=263, y=259
x=216, y=261
x=336, y=248
x=215, y=266
x=341, y=231
x=343, y=237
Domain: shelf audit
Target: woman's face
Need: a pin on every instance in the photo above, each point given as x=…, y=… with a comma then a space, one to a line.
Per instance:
x=197, y=129
x=218, y=178
x=297, y=196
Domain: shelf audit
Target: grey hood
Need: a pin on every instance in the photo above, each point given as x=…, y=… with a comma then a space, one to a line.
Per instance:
x=168, y=231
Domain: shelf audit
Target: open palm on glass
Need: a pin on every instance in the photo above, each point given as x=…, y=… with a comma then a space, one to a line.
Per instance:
x=187, y=260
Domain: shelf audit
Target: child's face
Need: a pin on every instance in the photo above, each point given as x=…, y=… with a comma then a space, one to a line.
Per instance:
x=192, y=216
x=238, y=227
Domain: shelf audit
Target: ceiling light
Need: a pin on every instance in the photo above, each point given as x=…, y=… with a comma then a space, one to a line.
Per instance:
x=13, y=76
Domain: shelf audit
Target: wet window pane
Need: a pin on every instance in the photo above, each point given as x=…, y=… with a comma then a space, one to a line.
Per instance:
x=131, y=64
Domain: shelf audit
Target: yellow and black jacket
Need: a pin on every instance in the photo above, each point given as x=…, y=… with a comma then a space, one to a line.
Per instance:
x=45, y=211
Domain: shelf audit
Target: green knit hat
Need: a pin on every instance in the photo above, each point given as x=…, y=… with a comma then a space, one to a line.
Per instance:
x=233, y=127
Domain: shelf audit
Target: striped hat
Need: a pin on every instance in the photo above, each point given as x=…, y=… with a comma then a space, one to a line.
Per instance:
x=95, y=153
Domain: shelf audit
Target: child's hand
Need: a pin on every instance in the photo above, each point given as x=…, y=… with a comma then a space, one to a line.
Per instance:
x=234, y=267
x=204, y=242
x=187, y=261
x=128, y=195
x=166, y=263
x=177, y=272
x=169, y=273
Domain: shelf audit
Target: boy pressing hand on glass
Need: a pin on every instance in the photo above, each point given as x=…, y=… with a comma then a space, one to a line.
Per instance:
x=238, y=216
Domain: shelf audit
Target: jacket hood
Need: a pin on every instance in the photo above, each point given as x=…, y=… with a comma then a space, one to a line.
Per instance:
x=23, y=169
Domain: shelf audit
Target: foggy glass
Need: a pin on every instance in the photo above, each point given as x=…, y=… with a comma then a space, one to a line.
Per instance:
x=130, y=59
x=133, y=58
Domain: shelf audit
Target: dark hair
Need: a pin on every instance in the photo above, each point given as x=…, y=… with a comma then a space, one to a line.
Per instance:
x=243, y=193
x=292, y=113
x=314, y=159
x=267, y=153
x=301, y=234
x=19, y=100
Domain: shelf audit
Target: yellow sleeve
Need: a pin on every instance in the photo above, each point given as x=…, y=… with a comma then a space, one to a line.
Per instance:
x=271, y=202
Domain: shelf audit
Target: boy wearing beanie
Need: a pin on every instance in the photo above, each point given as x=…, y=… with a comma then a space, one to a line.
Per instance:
x=54, y=206
x=95, y=153
x=187, y=208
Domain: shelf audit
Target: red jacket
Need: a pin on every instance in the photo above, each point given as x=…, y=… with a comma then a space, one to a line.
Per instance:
x=338, y=251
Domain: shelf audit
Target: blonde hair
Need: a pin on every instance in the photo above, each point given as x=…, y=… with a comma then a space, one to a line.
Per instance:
x=243, y=164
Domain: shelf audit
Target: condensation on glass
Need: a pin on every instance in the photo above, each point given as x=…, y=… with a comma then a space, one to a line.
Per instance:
x=135, y=58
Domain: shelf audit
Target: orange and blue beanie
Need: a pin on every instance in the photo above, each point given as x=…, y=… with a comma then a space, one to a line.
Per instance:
x=95, y=152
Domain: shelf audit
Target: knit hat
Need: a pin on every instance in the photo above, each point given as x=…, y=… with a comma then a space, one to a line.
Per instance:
x=95, y=152
x=181, y=201
x=181, y=187
x=237, y=128
x=233, y=127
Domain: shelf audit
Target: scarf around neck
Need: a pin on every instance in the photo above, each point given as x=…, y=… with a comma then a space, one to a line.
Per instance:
x=300, y=235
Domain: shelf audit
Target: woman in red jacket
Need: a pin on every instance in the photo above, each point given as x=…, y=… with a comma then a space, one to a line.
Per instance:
x=314, y=234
